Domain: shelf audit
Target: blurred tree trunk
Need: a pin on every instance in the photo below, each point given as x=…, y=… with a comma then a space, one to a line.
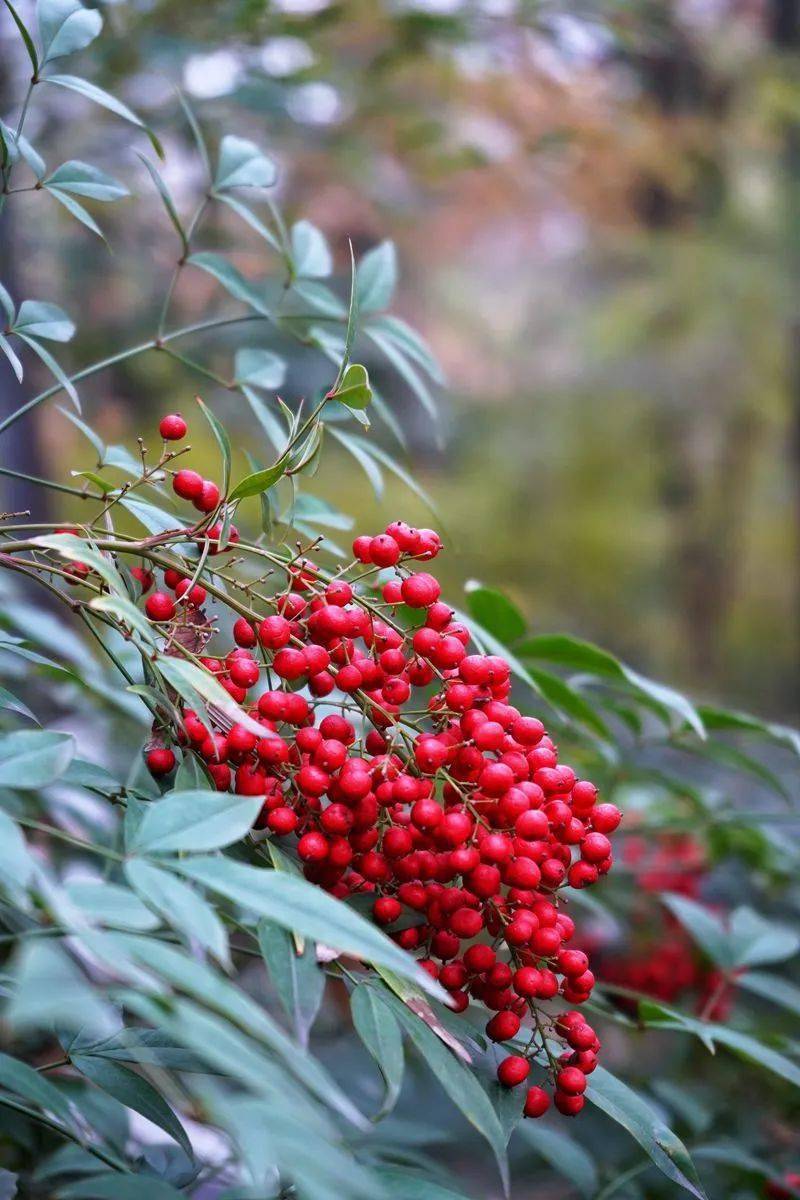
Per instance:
x=785, y=35
x=20, y=448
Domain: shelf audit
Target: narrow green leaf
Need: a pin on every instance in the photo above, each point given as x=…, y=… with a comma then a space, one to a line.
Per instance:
x=629, y=1110
x=53, y=367
x=168, y=202
x=231, y=279
x=181, y=906
x=377, y=1026
x=306, y=909
x=92, y=92
x=195, y=821
x=353, y=389
x=17, y=1076
x=297, y=977
x=25, y=35
x=259, y=481
x=223, y=441
x=310, y=251
x=40, y=319
x=31, y=759
x=494, y=611
x=376, y=277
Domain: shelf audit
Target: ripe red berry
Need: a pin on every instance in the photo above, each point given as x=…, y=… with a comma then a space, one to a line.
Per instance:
x=537, y=1102
x=513, y=1070
x=187, y=484
x=420, y=591
x=160, y=607
x=503, y=1026
x=172, y=428
x=160, y=761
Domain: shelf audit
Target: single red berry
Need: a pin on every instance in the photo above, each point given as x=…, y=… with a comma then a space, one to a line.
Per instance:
x=503, y=1026
x=537, y=1102
x=208, y=498
x=160, y=607
x=187, y=484
x=160, y=761
x=513, y=1070
x=172, y=428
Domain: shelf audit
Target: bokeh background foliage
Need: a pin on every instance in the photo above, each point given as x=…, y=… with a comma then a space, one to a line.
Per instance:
x=594, y=209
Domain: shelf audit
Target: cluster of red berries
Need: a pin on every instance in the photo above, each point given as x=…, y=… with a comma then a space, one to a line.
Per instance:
x=395, y=759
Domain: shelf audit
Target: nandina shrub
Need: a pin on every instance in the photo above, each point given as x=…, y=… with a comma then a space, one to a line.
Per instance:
x=343, y=789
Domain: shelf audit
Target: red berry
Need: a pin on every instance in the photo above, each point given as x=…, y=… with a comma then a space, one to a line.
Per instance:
x=172, y=428
x=537, y=1102
x=160, y=761
x=187, y=484
x=160, y=607
x=513, y=1070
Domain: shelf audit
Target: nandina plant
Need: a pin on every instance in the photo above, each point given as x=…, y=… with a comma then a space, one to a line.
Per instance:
x=342, y=786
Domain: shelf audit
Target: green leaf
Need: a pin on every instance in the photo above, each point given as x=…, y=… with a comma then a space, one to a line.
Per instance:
x=113, y=1186
x=192, y=821
x=260, y=481
x=16, y=1076
x=569, y=702
x=85, y=180
x=409, y=342
x=12, y=703
x=362, y=457
x=38, y=318
x=77, y=211
x=310, y=251
x=746, y=940
x=168, y=202
x=49, y=989
x=180, y=906
x=305, y=909
x=494, y=611
x=243, y=164
x=18, y=146
x=377, y=1026
x=205, y=983
x=758, y=941
x=297, y=977
x=354, y=389
x=222, y=440
x=198, y=687
x=53, y=367
x=65, y=26
x=376, y=277
x=25, y=35
x=134, y=1092
x=250, y=218
x=259, y=368
x=565, y=1155
x=405, y=1184
x=7, y=304
x=92, y=92
x=231, y=279
x=197, y=132
x=127, y=613
x=772, y=987
x=16, y=365
x=31, y=759
x=584, y=656
x=109, y=904
x=70, y=546
x=16, y=864
x=629, y=1110
x=704, y=927
x=407, y=372
x=456, y=1079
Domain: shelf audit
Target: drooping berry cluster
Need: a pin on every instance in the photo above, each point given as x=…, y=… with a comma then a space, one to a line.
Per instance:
x=394, y=759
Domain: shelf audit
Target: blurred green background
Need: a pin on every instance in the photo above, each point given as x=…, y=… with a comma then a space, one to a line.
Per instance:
x=595, y=207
